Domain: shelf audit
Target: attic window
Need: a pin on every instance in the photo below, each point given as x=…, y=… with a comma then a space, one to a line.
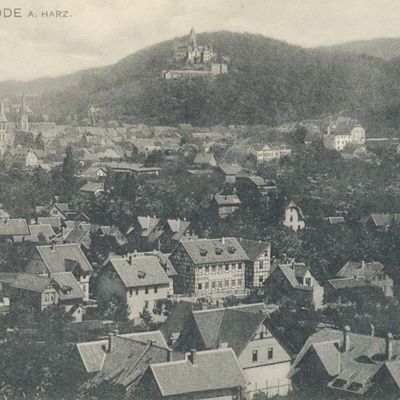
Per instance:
x=141, y=274
x=231, y=249
x=203, y=252
x=218, y=250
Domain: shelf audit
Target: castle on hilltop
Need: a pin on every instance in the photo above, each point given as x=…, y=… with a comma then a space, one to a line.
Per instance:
x=191, y=53
x=191, y=60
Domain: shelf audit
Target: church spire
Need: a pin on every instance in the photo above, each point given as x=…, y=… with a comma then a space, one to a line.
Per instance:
x=192, y=38
x=3, y=118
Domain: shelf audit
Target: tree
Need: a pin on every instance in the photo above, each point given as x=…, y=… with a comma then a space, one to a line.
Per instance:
x=147, y=319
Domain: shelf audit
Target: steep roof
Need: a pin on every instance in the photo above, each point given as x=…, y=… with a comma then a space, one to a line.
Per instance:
x=227, y=199
x=292, y=273
x=177, y=225
x=10, y=227
x=148, y=224
x=230, y=169
x=42, y=229
x=233, y=326
x=212, y=370
x=55, y=222
x=203, y=158
x=360, y=269
x=253, y=248
x=143, y=271
x=202, y=251
x=68, y=285
x=30, y=282
x=358, y=365
x=347, y=283
x=60, y=257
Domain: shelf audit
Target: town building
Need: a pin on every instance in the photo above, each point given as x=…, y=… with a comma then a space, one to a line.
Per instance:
x=174, y=231
x=230, y=172
x=146, y=231
x=139, y=281
x=254, y=188
x=51, y=260
x=212, y=374
x=295, y=281
x=41, y=292
x=342, y=132
x=265, y=363
x=116, y=364
x=259, y=265
x=210, y=268
x=272, y=151
x=11, y=227
x=360, y=274
x=294, y=217
x=383, y=221
x=92, y=188
x=205, y=160
x=226, y=204
x=348, y=364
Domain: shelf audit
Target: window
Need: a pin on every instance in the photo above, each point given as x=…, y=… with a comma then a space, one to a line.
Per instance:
x=206, y=286
x=240, y=267
x=207, y=270
x=255, y=355
x=261, y=279
x=233, y=283
x=239, y=282
x=146, y=305
x=227, y=267
x=199, y=286
x=261, y=264
x=227, y=283
x=308, y=281
x=270, y=353
x=137, y=291
x=155, y=289
x=220, y=285
x=146, y=291
x=130, y=292
x=213, y=269
x=212, y=285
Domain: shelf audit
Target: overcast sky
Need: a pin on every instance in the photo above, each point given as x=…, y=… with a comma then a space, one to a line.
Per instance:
x=100, y=32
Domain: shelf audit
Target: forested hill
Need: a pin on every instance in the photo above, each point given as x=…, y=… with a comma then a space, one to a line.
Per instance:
x=269, y=82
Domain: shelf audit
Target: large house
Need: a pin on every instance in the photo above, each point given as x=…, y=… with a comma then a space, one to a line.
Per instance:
x=259, y=265
x=360, y=274
x=52, y=260
x=253, y=188
x=272, y=151
x=116, y=364
x=244, y=329
x=147, y=230
x=342, y=132
x=348, y=364
x=226, y=204
x=12, y=227
x=212, y=374
x=41, y=292
x=294, y=217
x=205, y=160
x=295, y=281
x=174, y=231
x=139, y=280
x=212, y=268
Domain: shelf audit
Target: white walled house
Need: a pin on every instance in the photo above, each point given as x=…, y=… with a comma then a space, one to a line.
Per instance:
x=141, y=281
x=343, y=132
x=294, y=217
x=273, y=151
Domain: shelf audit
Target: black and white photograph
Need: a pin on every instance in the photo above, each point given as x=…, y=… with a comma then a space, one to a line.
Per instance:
x=200, y=200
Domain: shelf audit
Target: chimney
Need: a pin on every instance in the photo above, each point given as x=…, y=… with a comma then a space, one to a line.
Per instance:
x=372, y=327
x=110, y=343
x=346, y=338
x=389, y=346
x=169, y=354
x=130, y=259
x=363, y=264
x=223, y=240
x=193, y=356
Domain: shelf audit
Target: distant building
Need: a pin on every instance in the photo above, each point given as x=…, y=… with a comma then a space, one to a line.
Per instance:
x=146, y=231
x=361, y=274
x=350, y=364
x=295, y=281
x=11, y=227
x=342, y=132
x=5, y=134
x=205, y=160
x=254, y=188
x=174, y=231
x=294, y=217
x=226, y=204
x=92, y=188
x=383, y=221
x=211, y=268
x=138, y=280
x=230, y=172
x=272, y=151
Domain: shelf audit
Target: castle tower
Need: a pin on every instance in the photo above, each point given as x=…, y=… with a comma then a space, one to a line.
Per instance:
x=192, y=38
x=24, y=121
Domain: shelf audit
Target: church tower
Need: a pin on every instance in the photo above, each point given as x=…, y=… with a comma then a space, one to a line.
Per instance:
x=192, y=39
x=3, y=130
x=24, y=121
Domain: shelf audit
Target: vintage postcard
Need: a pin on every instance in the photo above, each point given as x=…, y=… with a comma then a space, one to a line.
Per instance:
x=200, y=200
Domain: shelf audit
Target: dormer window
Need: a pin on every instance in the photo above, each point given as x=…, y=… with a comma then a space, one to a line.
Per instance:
x=231, y=249
x=203, y=252
x=141, y=274
x=218, y=251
